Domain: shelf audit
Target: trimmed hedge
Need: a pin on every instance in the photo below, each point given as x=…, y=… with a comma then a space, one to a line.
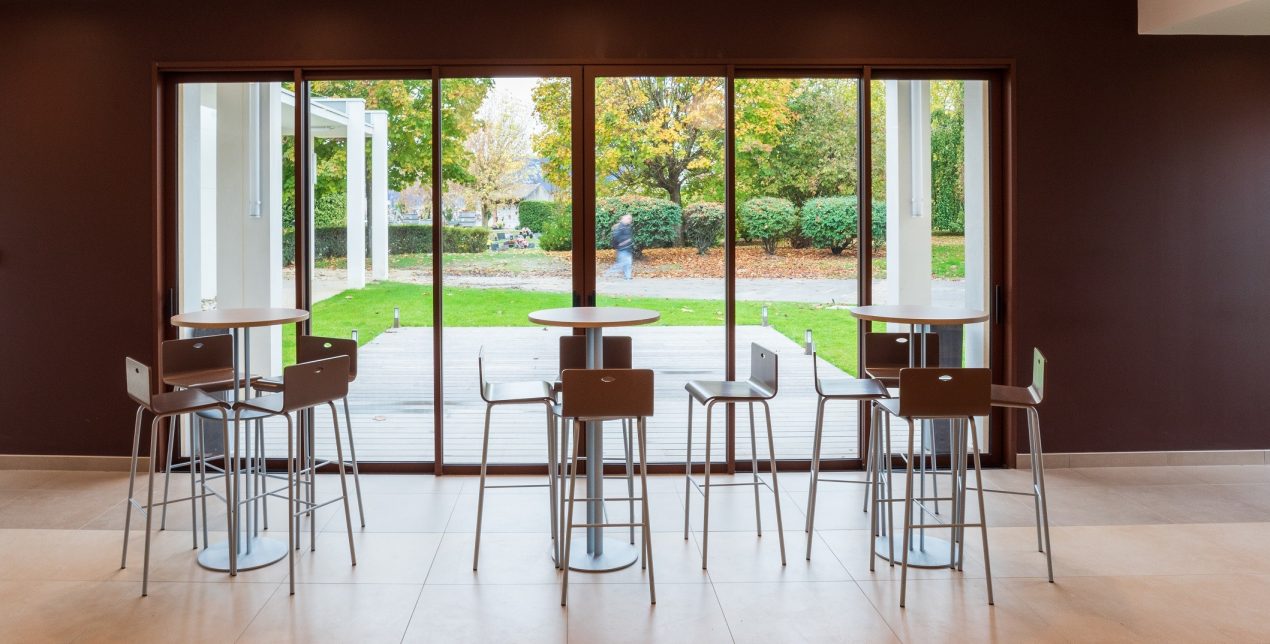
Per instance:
x=768, y=219
x=703, y=225
x=656, y=222
x=557, y=233
x=833, y=222
x=534, y=215
x=331, y=243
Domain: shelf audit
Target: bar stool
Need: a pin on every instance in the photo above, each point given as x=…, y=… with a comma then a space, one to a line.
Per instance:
x=759, y=388
x=205, y=363
x=853, y=389
x=161, y=406
x=1028, y=399
x=885, y=354
x=597, y=395
x=935, y=393
x=527, y=392
x=305, y=386
x=309, y=348
x=617, y=355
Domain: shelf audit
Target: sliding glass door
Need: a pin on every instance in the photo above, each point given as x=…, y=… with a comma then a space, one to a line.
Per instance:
x=441, y=209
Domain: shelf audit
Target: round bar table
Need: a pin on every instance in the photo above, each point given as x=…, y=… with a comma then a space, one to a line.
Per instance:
x=253, y=551
x=600, y=555
x=932, y=552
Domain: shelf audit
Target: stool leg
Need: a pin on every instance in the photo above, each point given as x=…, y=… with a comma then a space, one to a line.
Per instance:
x=815, y=474
x=132, y=478
x=352, y=453
x=293, y=482
x=908, y=514
x=196, y=428
x=339, y=458
x=551, y=485
x=758, y=515
x=688, y=471
x=312, y=453
x=562, y=456
x=648, y=530
x=983, y=517
x=875, y=481
x=1038, y=464
x=869, y=463
x=628, y=434
x=264, y=470
x=890, y=494
x=154, y=445
x=480, y=497
x=193, y=501
x=776, y=488
x=963, y=459
x=705, y=505
x=167, y=477
x=568, y=533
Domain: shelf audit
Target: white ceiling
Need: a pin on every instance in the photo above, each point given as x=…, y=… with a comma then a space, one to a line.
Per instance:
x=1213, y=17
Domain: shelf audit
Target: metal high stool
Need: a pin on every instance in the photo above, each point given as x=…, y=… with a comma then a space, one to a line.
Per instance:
x=885, y=354
x=852, y=389
x=597, y=395
x=205, y=363
x=525, y=392
x=617, y=355
x=160, y=405
x=759, y=388
x=1028, y=399
x=309, y=348
x=927, y=394
x=306, y=386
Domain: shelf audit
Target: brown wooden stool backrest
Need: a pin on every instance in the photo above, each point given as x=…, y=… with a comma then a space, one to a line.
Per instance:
x=314, y=383
x=890, y=350
x=197, y=354
x=311, y=347
x=607, y=393
x=617, y=352
x=139, y=385
x=945, y=392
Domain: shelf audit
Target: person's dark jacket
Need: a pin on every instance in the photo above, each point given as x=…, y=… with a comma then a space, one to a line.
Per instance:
x=623, y=238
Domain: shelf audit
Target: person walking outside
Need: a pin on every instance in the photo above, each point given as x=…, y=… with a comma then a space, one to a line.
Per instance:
x=623, y=241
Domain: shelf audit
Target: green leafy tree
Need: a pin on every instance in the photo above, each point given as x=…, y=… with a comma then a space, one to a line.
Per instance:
x=534, y=215
x=947, y=151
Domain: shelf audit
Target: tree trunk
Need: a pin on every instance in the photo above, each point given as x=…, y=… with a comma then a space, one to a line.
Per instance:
x=675, y=191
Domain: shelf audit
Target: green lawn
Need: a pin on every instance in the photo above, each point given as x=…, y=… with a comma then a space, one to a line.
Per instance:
x=369, y=310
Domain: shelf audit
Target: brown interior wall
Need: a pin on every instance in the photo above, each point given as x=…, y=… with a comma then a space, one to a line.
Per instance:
x=1143, y=182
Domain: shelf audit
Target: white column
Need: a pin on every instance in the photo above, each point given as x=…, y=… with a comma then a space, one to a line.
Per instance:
x=379, y=194
x=976, y=186
x=355, y=146
x=198, y=195
x=231, y=193
x=271, y=212
x=908, y=192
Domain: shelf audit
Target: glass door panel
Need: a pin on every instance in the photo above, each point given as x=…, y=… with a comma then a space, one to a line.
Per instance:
x=930, y=169
x=797, y=178
x=506, y=209
x=659, y=185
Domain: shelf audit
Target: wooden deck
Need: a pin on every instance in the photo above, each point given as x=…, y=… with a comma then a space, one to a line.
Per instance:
x=392, y=404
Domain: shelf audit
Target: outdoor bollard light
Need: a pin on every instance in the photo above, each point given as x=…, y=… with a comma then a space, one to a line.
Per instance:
x=809, y=345
x=396, y=317
x=764, y=316
x=354, y=334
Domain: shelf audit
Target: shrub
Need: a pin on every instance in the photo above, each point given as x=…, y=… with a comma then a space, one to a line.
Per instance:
x=557, y=233
x=656, y=221
x=703, y=225
x=769, y=219
x=331, y=211
x=462, y=239
x=331, y=243
x=534, y=215
x=879, y=221
x=831, y=222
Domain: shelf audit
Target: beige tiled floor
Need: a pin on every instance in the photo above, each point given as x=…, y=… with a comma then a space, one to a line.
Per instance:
x=1141, y=554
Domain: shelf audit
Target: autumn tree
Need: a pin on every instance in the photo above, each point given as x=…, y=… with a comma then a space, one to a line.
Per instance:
x=498, y=149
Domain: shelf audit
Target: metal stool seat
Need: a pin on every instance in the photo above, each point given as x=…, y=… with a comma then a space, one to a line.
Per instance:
x=309, y=348
x=531, y=392
x=926, y=394
x=759, y=388
x=161, y=406
x=597, y=395
x=306, y=386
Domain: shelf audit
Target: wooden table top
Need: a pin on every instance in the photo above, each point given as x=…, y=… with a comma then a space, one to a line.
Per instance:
x=582, y=317
x=239, y=318
x=914, y=314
